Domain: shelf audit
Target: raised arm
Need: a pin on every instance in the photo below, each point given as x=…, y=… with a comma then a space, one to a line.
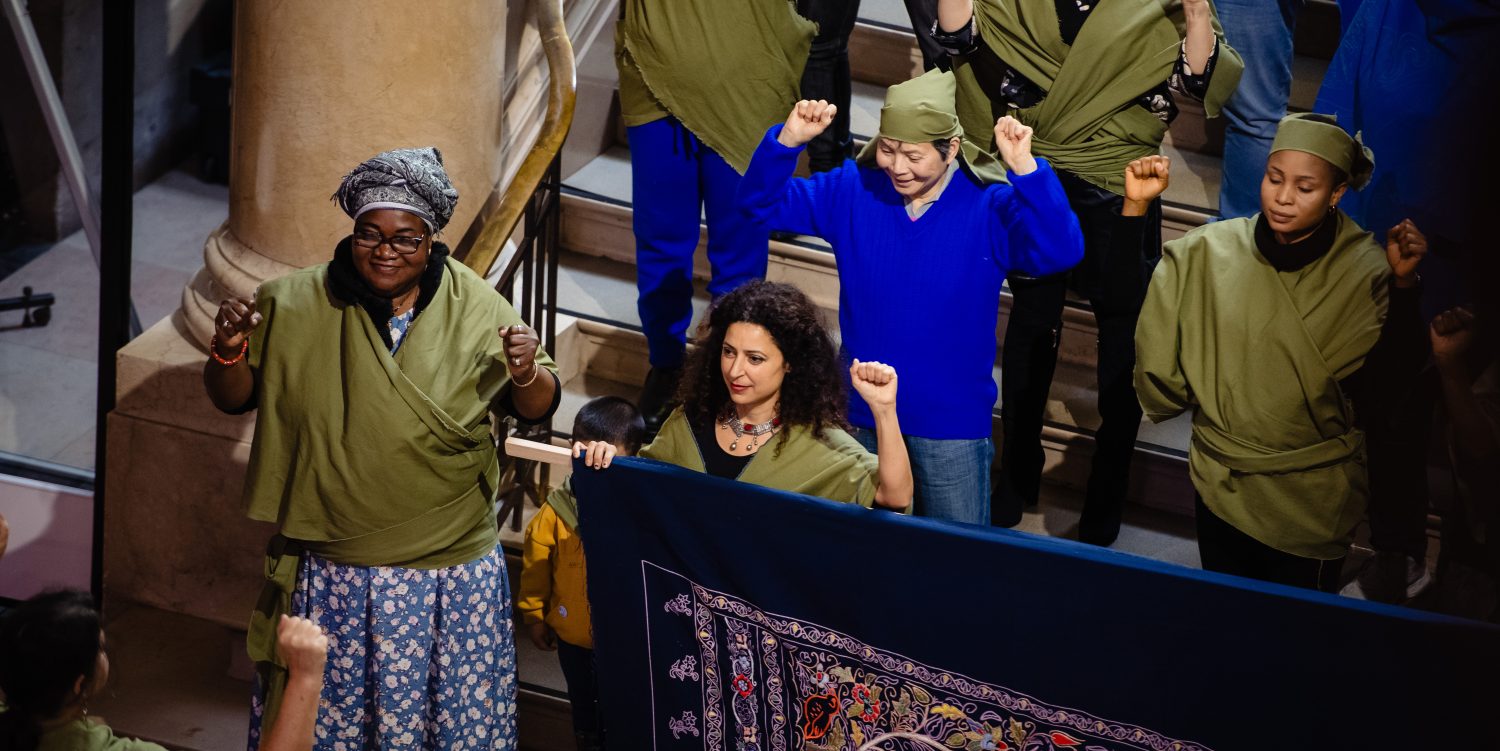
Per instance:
x=952, y=15
x=305, y=648
x=1198, y=38
x=1040, y=233
x=1159, y=381
x=227, y=375
x=533, y=387
x=876, y=384
x=768, y=193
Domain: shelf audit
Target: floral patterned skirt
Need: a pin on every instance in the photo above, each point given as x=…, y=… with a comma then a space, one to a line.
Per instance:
x=417, y=658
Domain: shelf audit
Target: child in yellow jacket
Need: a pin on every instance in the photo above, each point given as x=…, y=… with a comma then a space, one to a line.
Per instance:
x=553, y=596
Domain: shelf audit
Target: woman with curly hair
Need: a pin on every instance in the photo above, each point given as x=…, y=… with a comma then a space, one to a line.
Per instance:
x=766, y=374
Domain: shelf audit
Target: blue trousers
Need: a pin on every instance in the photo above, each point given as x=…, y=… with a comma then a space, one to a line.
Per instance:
x=1261, y=31
x=952, y=475
x=675, y=179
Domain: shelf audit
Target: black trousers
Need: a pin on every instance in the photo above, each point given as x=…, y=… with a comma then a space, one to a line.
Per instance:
x=1398, y=445
x=1113, y=277
x=827, y=76
x=1227, y=550
x=827, y=73
x=583, y=690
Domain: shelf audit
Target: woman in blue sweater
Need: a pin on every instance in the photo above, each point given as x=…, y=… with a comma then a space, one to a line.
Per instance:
x=922, y=249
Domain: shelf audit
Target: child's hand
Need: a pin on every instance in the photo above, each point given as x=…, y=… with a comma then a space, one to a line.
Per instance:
x=542, y=636
x=597, y=454
x=303, y=645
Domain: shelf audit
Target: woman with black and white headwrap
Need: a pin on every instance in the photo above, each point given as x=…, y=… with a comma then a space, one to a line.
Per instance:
x=375, y=375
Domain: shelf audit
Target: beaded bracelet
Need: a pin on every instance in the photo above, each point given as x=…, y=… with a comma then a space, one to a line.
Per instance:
x=213, y=351
x=530, y=380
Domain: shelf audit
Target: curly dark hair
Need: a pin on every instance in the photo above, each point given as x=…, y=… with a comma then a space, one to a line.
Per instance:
x=812, y=393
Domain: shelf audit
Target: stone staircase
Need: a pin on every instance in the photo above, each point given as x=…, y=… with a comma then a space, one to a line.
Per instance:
x=596, y=289
x=601, y=351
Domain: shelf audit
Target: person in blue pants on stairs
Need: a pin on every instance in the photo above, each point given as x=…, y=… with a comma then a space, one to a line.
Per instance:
x=700, y=80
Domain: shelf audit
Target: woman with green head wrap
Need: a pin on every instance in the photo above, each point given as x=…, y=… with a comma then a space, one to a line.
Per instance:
x=922, y=249
x=1284, y=334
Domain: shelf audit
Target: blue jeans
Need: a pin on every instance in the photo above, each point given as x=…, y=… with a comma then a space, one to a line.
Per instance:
x=1261, y=31
x=674, y=177
x=952, y=475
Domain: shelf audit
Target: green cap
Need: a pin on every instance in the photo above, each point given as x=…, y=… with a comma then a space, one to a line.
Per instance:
x=1321, y=136
x=921, y=110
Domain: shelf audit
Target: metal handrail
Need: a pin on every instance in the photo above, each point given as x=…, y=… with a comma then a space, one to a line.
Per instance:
x=503, y=209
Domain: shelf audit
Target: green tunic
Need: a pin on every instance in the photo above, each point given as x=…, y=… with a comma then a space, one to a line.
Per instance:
x=835, y=467
x=725, y=70
x=1257, y=355
x=365, y=458
x=85, y=734
x=1088, y=124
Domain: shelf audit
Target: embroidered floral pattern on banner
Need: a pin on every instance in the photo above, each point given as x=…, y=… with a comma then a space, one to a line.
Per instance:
x=737, y=677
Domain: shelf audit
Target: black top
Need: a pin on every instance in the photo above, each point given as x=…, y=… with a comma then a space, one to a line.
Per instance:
x=717, y=461
x=1295, y=255
x=1004, y=84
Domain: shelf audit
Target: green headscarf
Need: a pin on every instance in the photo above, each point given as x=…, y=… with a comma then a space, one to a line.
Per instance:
x=917, y=111
x=1321, y=136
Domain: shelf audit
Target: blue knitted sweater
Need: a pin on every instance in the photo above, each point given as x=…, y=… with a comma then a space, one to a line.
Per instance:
x=920, y=295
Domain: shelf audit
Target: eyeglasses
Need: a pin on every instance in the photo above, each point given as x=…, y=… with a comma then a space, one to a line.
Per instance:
x=403, y=244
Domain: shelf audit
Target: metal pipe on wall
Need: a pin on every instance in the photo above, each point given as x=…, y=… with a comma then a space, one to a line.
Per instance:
x=116, y=201
x=56, y=116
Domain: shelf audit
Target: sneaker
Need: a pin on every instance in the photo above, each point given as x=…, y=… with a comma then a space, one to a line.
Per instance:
x=1390, y=578
x=1418, y=578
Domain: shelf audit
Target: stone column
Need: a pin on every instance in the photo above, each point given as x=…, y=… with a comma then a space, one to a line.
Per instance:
x=318, y=88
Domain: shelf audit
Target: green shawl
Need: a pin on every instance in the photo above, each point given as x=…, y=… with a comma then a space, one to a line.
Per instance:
x=564, y=503
x=835, y=467
x=1088, y=123
x=367, y=459
x=1257, y=355
x=726, y=70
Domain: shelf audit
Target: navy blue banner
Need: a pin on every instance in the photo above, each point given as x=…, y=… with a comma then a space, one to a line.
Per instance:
x=727, y=616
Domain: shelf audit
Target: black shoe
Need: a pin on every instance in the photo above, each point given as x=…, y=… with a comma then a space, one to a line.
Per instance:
x=656, y=399
x=1005, y=506
x=1103, y=507
x=588, y=741
x=1018, y=486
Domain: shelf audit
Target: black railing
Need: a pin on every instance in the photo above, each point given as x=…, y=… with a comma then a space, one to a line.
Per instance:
x=529, y=282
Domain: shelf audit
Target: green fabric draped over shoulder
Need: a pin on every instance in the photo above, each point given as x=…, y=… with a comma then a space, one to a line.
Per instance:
x=363, y=458
x=835, y=466
x=1088, y=124
x=1257, y=355
x=564, y=503
x=725, y=70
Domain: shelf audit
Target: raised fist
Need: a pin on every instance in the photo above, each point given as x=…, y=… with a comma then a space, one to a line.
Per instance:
x=1405, y=246
x=1145, y=179
x=521, y=344
x=233, y=324
x=807, y=119
x=1452, y=333
x=302, y=645
x=875, y=382
x=1013, y=140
